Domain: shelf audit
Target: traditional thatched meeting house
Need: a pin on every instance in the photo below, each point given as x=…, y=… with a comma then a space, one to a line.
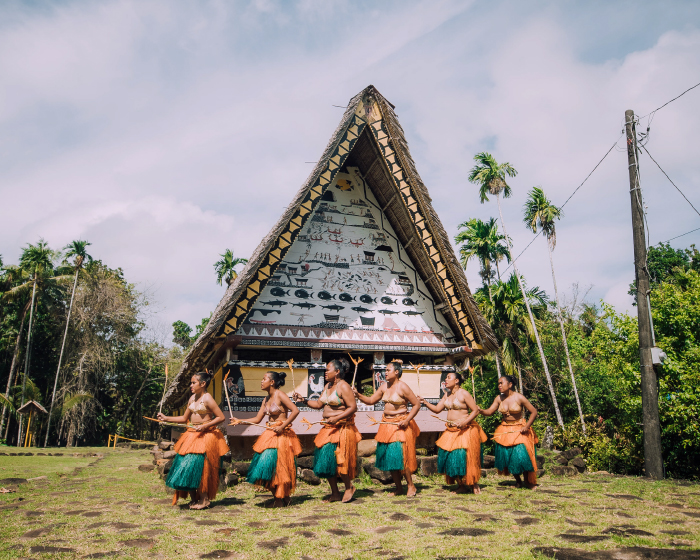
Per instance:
x=359, y=262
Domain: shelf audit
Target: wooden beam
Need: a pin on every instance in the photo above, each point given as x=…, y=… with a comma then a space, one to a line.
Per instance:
x=393, y=197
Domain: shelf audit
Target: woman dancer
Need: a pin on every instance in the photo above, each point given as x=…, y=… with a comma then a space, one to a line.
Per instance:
x=515, y=440
x=459, y=446
x=336, y=444
x=396, y=437
x=273, y=465
x=195, y=468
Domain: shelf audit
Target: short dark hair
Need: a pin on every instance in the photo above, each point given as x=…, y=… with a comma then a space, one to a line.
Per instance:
x=397, y=364
x=511, y=379
x=458, y=375
x=204, y=377
x=277, y=378
x=341, y=365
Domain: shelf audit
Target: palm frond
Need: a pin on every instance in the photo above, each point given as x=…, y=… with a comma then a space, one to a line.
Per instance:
x=74, y=400
x=4, y=401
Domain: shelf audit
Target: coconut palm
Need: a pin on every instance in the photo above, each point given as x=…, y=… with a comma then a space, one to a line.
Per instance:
x=76, y=250
x=508, y=312
x=225, y=267
x=490, y=176
x=540, y=213
x=481, y=240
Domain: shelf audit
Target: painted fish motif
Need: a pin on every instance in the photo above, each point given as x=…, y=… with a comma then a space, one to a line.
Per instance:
x=304, y=305
x=266, y=312
x=345, y=297
x=413, y=312
x=275, y=303
x=387, y=300
x=408, y=301
x=334, y=307
x=388, y=312
x=367, y=299
x=361, y=309
x=326, y=295
x=303, y=294
x=279, y=292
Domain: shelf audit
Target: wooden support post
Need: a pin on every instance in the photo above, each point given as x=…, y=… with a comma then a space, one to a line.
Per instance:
x=653, y=459
x=29, y=425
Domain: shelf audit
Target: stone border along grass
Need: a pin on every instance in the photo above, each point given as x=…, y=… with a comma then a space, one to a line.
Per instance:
x=89, y=506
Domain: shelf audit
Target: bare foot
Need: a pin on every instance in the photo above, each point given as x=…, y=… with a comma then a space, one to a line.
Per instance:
x=411, y=491
x=531, y=486
x=349, y=493
x=461, y=490
x=333, y=498
x=278, y=503
x=202, y=504
x=477, y=489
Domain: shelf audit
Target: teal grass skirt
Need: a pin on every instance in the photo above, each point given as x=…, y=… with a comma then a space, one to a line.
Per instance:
x=390, y=456
x=514, y=459
x=325, y=463
x=262, y=467
x=186, y=472
x=452, y=463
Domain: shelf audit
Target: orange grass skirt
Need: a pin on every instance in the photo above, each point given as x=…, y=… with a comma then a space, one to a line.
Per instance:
x=390, y=433
x=469, y=438
x=212, y=444
x=346, y=437
x=288, y=447
x=508, y=435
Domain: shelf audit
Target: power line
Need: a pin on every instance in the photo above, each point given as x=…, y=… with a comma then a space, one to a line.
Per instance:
x=669, y=179
x=567, y=200
x=671, y=101
x=681, y=235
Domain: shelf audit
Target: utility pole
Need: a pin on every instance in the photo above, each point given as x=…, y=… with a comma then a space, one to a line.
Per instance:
x=653, y=460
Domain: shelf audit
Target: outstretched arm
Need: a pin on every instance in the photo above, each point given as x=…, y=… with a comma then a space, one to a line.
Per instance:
x=258, y=417
x=490, y=410
x=374, y=398
x=436, y=408
x=179, y=419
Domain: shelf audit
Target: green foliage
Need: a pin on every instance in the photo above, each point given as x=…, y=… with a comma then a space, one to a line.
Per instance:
x=181, y=334
x=225, y=267
x=490, y=176
x=481, y=240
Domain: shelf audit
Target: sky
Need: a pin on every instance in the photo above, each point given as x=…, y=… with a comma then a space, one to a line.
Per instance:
x=166, y=132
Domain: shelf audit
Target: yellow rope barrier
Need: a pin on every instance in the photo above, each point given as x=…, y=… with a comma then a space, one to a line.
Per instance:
x=117, y=436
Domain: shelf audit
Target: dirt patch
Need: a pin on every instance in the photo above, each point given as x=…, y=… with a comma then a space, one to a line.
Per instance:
x=298, y=524
x=426, y=509
x=691, y=513
x=208, y=522
x=103, y=554
x=340, y=532
x=49, y=549
x=74, y=512
x=399, y=517
x=218, y=554
x=307, y=534
x=255, y=524
x=425, y=525
x=677, y=532
x=152, y=532
x=626, y=532
x=387, y=529
x=34, y=533
x=625, y=515
x=582, y=538
x=633, y=553
x=121, y=526
x=525, y=521
x=33, y=513
x=139, y=543
x=485, y=518
x=92, y=514
x=580, y=523
x=96, y=525
x=274, y=544
x=624, y=496
x=465, y=532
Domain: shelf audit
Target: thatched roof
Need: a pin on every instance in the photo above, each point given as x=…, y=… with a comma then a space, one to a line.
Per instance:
x=369, y=137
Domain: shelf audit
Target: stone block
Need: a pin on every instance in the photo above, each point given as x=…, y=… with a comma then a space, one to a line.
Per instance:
x=541, y=472
x=540, y=461
x=305, y=462
x=241, y=467
x=561, y=460
x=382, y=476
x=488, y=462
x=169, y=454
x=366, y=448
x=484, y=473
x=163, y=466
x=563, y=471
x=428, y=465
x=232, y=479
x=578, y=463
x=571, y=453
x=548, y=438
x=146, y=468
x=165, y=445
x=308, y=476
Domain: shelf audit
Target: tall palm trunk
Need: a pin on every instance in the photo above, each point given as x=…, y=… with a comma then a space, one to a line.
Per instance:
x=498, y=359
x=26, y=358
x=563, y=336
x=13, y=366
x=532, y=320
x=60, y=358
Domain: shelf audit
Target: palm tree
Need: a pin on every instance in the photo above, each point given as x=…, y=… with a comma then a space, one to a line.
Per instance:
x=13, y=276
x=481, y=240
x=225, y=266
x=75, y=249
x=490, y=176
x=540, y=212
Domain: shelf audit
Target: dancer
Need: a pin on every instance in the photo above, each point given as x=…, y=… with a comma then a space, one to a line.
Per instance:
x=396, y=437
x=515, y=440
x=195, y=468
x=273, y=465
x=336, y=444
x=459, y=446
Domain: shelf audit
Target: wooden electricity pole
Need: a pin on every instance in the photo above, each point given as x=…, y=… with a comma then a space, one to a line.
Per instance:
x=653, y=460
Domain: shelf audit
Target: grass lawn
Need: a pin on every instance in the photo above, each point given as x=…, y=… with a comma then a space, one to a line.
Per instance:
x=93, y=507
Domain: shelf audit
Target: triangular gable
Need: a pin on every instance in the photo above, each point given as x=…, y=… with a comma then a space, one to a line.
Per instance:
x=367, y=113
